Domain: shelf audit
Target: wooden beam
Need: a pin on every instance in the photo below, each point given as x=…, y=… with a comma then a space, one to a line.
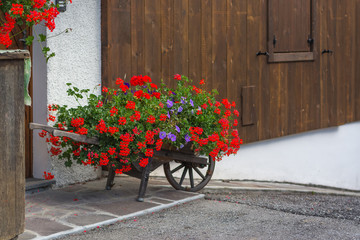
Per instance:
x=60, y=133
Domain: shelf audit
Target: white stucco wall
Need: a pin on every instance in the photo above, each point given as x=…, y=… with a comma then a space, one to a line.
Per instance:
x=329, y=157
x=78, y=61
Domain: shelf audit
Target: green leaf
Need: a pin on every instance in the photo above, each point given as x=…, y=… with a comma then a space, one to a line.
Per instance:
x=42, y=37
x=50, y=56
x=45, y=50
x=29, y=40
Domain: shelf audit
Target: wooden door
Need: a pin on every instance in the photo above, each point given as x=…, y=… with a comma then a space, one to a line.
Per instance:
x=17, y=43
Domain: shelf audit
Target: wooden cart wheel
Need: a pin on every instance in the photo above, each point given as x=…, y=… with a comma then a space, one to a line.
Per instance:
x=189, y=176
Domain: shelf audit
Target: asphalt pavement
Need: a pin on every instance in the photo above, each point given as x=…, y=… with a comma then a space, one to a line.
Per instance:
x=244, y=215
x=223, y=210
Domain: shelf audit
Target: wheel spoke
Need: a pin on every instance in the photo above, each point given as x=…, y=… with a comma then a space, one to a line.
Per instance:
x=177, y=168
x=183, y=176
x=191, y=177
x=198, y=172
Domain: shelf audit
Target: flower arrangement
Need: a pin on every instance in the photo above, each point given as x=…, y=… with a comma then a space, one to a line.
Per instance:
x=139, y=118
x=27, y=13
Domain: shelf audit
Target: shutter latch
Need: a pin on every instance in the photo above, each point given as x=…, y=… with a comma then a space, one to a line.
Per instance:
x=310, y=40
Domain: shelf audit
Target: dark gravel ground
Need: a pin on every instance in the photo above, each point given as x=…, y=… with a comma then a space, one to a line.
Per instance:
x=244, y=215
x=319, y=205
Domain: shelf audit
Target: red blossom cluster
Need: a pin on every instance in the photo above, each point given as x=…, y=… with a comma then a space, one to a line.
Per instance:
x=144, y=162
x=139, y=80
x=124, y=168
x=101, y=127
x=151, y=119
x=31, y=12
x=48, y=175
x=224, y=143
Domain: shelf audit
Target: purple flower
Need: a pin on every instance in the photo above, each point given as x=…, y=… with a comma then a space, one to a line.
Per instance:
x=162, y=135
x=177, y=128
x=191, y=102
x=168, y=115
x=169, y=103
x=183, y=100
x=180, y=109
x=127, y=84
x=181, y=146
x=187, y=138
x=173, y=137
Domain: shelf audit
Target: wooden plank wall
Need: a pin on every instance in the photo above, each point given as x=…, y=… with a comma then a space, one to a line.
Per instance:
x=12, y=146
x=218, y=40
x=17, y=44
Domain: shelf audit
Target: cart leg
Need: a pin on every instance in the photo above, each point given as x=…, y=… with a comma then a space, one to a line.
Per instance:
x=110, y=179
x=144, y=181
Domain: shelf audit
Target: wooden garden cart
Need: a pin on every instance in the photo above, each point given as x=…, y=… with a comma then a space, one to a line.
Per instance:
x=184, y=170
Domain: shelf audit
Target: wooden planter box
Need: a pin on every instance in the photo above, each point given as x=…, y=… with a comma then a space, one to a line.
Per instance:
x=12, y=143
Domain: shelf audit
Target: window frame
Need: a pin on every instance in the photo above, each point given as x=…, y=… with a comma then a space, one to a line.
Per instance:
x=292, y=56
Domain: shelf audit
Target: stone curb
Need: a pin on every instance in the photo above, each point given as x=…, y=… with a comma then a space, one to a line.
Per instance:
x=277, y=189
x=217, y=188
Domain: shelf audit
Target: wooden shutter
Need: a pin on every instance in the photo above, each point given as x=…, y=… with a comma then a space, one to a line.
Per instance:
x=290, y=30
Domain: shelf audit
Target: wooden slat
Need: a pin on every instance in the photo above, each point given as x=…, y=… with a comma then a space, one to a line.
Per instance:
x=105, y=44
x=278, y=80
x=328, y=69
x=219, y=57
x=292, y=57
x=28, y=137
x=12, y=149
x=340, y=58
x=349, y=50
x=167, y=42
x=152, y=49
x=323, y=39
x=357, y=61
x=248, y=105
x=195, y=40
x=76, y=137
x=172, y=155
x=312, y=98
x=256, y=75
x=60, y=133
x=294, y=111
x=119, y=41
x=14, y=54
x=236, y=56
x=181, y=33
x=206, y=43
x=137, y=38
